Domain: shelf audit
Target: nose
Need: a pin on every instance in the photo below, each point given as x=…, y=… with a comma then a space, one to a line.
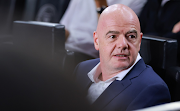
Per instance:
x=122, y=42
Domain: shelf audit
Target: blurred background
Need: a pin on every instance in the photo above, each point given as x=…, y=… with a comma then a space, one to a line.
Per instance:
x=29, y=10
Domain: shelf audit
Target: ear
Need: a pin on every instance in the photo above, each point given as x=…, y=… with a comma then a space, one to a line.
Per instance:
x=141, y=34
x=96, y=41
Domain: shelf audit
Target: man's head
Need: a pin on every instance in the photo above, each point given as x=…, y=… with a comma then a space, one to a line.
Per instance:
x=118, y=38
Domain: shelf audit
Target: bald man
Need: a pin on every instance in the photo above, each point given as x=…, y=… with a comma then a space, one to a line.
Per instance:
x=120, y=80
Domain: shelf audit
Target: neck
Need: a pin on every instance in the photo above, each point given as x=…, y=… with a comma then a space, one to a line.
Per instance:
x=104, y=77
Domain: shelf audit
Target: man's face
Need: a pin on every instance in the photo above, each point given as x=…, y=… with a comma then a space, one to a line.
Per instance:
x=118, y=41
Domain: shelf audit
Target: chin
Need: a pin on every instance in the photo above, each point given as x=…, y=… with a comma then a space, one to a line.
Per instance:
x=122, y=66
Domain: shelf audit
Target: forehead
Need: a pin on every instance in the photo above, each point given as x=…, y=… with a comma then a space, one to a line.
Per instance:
x=119, y=22
x=119, y=18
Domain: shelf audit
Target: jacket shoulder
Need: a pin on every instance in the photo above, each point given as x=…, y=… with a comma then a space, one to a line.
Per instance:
x=85, y=66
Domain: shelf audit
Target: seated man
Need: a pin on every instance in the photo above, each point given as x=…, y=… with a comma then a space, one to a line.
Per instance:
x=120, y=80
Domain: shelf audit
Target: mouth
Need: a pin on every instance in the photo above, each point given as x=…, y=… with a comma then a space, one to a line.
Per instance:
x=120, y=55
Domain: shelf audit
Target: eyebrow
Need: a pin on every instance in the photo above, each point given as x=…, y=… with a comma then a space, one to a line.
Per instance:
x=113, y=32
x=132, y=31
x=117, y=32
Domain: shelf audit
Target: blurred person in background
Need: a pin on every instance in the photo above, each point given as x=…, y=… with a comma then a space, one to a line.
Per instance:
x=161, y=18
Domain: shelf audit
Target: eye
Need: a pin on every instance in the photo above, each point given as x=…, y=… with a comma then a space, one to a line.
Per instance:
x=131, y=36
x=112, y=36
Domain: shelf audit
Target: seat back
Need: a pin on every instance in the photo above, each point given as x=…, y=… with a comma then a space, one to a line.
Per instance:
x=32, y=35
x=159, y=52
x=40, y=39
x=172, y=79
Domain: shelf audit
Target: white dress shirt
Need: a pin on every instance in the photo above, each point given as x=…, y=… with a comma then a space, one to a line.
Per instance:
x=81, y=19
x=98, y=86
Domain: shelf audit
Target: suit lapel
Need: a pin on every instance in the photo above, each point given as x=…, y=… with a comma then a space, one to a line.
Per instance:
x=117, y=87
x=86, y=83
x=136, y=70
x=83, y=81
x=110, y=93
x=81, y=75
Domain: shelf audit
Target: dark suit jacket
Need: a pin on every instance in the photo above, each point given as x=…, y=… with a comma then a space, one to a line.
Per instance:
x=140, y=88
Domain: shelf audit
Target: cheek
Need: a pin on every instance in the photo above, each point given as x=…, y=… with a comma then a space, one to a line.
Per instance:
x=134, y=48
x=105, y=49
x=138, y=46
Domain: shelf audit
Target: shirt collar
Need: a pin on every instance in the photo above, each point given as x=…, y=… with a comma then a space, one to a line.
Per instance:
x=96, y=71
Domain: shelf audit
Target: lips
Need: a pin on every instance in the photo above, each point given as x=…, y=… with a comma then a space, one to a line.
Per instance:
x=119, y=55
x=122, y=56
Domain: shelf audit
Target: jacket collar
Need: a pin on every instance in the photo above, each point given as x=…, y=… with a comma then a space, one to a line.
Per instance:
x=118, y=86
